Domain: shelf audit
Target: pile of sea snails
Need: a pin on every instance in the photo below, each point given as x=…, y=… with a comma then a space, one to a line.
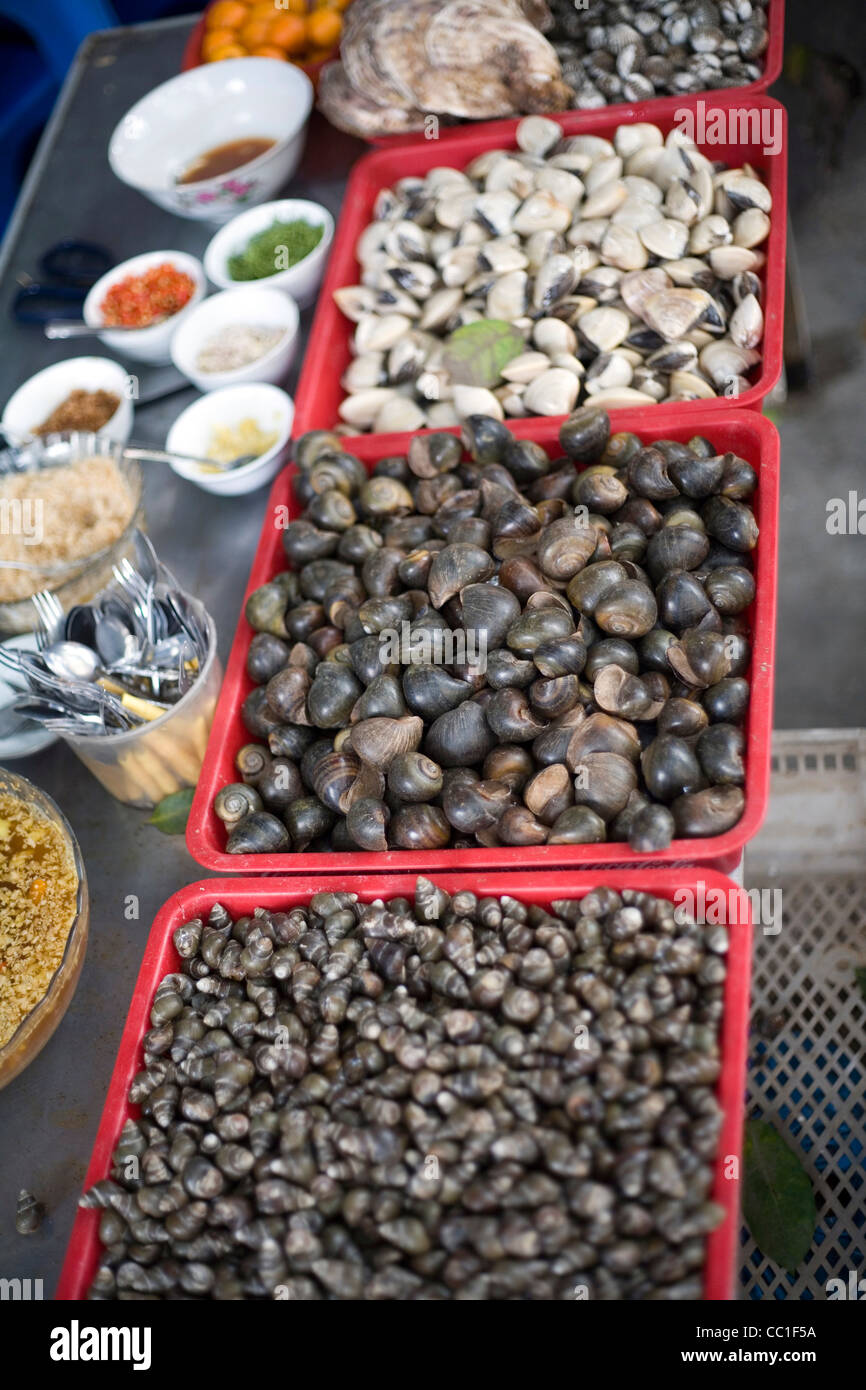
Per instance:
x=451, y=1098
x=612, y=51
x=500, y=650
x=629, y=268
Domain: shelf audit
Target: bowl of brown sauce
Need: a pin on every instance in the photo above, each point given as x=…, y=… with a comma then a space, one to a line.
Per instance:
x=217, y=139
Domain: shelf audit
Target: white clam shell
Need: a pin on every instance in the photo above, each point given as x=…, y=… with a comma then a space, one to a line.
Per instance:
x=622, y=397
x=442, y=416
x=724, y=360
x=362, y=409
x=751, y=227
x=537, y=135
x=623, y=248
x=640, y=135
x=712, y=230
x=605, y=199
x=541, y=212
x=569, y=362
x=554, y=392
x=399, y=415
x=379, y=333
x=671, y=313
x=507, y=297
x=665, y=238
x=565, y=187
x=638, y=286
x=553, y=335
x=605, y=328
x=476, y=400
x=364, y=372
x=522, y=369
x=355, y=301
x=728, y=261
x=746, y=326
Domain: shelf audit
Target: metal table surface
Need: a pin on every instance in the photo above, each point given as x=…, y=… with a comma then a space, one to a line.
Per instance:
x=49, y=1114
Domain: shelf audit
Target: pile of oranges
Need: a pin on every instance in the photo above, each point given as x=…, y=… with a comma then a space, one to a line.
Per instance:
x=301, y=31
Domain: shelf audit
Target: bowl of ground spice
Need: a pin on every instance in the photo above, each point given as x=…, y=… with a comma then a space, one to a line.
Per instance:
x=284, y=245
x=240, y=335
x=93, y=394
x=44, y=922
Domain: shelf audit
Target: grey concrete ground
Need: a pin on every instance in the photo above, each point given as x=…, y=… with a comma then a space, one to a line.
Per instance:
x=821, y=667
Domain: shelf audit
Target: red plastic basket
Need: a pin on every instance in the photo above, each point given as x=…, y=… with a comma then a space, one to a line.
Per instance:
x=626, y=112
x=319, y=392
x=746, y=433
x=242, y=895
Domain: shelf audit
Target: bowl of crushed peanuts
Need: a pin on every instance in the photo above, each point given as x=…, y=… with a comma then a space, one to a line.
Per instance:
x=234, y=422
x=70, y=509
x=243, y=335
x=44, y=923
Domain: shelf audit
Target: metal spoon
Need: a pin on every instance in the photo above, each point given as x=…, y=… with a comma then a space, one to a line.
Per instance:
x=77, y=328
x=114, y=642
x=71, y=661
x=53, y=715
x=149, y=563
x=162, y=456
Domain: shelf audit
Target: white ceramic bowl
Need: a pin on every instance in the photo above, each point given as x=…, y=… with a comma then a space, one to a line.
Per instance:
x=176, y=123
x=251, y=305
x=144, y=344
x=34, y=401
x=302, y=280
x=270, y=407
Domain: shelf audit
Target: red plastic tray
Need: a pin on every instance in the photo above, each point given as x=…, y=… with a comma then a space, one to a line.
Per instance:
x=242, y=895
x=744, y=432
x=627, y=111
x=319, y=392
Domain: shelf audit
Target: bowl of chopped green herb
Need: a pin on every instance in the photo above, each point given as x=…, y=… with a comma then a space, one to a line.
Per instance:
x=283, y=245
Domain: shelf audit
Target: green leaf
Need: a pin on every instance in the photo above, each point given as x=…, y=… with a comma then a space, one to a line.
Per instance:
x=170, y=816
x=860, y=977
x=476, y=353
x=778, y=1202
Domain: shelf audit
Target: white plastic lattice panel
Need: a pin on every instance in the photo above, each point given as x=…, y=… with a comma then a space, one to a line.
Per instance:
x=807, y=1066
x=816, y=818
x=807, y=1074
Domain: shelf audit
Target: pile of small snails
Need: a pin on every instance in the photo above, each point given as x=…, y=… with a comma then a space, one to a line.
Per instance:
x=445, y=1098
x=619, y=50
x=578, y=643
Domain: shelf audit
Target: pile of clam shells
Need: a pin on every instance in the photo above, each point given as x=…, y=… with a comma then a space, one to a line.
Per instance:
x=446, y=1098
x=630, y=267
x=613, y=52
x=572, y=647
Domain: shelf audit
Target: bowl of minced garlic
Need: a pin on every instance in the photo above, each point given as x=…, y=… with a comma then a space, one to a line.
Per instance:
x=44, y=915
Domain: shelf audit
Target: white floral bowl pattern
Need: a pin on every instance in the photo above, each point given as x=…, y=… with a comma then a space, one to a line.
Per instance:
x=239, y=98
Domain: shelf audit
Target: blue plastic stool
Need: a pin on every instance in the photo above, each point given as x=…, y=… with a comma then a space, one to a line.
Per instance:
x=32, y=76
x=57, y=27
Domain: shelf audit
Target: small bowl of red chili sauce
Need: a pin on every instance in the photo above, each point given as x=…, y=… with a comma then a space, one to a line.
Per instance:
x=140, y=303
